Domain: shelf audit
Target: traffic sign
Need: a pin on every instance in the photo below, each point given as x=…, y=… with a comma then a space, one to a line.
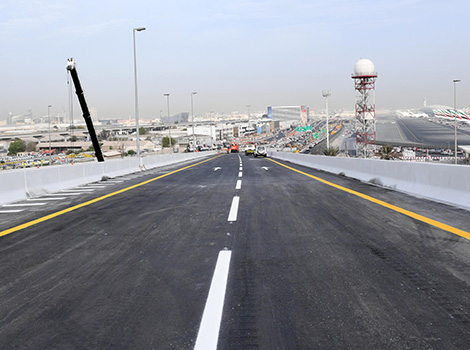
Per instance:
x=304, y=128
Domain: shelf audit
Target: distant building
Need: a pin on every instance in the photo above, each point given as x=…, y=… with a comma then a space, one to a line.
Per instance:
x=298, y=113
x=177, y=118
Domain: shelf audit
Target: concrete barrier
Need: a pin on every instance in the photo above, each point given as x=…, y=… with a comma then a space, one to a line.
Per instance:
x=21, y=184
x=446, y=183
x=12, y=186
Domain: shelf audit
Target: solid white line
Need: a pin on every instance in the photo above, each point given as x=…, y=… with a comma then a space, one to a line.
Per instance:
x=10, y=211
x=240, y=174
x=96, y=186
x=46, y=199
x=239, y=185
x=232, y=216
x=65, y=194
x=208, y=334
x=23, y=205
x=79, y=190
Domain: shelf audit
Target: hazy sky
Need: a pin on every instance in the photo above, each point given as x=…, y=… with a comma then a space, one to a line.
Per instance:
x=233, y=53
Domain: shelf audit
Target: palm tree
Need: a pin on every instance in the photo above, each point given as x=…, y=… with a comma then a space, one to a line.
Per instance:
x=332, y=151
x=386, y=152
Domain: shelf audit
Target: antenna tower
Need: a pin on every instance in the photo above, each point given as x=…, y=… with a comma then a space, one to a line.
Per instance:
x=364, y=83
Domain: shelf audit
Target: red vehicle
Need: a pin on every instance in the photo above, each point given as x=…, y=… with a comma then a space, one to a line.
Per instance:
x=234, y=147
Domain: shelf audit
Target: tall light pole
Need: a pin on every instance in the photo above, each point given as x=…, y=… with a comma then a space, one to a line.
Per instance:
x=326, y=94
x=192, y=117
x=248, y=107
x=169, y=122
x=136, y=98
x=49, y=118
x=455, y=120
x=211, y=126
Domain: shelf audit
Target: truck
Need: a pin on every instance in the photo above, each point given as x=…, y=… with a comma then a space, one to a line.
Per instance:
x=234, y=147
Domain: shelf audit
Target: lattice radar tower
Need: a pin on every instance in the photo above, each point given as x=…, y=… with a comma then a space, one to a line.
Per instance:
x=364, y=83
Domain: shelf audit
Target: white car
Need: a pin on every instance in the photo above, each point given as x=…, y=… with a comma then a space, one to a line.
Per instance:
x=261, y=151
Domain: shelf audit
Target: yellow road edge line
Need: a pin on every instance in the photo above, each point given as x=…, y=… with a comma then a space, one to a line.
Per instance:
x=409, y=213
x=81, y=205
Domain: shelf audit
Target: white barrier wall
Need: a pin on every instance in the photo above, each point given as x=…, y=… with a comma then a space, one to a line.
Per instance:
x=21, y=184
x=441, y=182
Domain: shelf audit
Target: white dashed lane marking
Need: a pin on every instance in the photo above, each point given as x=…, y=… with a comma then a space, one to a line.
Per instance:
x=232, y=216
x=208, y=334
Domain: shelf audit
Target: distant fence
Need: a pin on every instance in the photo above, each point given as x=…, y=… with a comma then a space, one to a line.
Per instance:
x=446, y=183
x=21, y=184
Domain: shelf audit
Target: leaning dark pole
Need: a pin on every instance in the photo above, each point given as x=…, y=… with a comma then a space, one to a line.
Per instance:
x=83, y=105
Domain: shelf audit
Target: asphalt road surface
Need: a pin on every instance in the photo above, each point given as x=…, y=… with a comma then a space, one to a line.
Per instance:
x=128, y=263
x=419, y=132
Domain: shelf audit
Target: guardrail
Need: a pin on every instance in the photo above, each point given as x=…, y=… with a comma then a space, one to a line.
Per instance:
x=24, y=183
x=447, y=183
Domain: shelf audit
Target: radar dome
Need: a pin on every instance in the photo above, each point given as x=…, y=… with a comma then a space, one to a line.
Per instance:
x=364, y=67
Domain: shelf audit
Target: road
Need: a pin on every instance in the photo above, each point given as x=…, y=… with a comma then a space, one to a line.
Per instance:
x=128, y=263
x=419, y=132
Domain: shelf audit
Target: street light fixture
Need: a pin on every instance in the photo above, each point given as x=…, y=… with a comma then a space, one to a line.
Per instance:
x=49, y=118
x=192, y=117
x=169, y=122
x=136, y=98
x=211, y=126
x=326, y=94
x=455, y=120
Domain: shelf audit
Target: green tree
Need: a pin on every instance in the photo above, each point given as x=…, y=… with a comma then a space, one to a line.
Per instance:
x=17, y=145
x=30, y=146
x=142, y=131
x=166, y=142
x=131, y=152
x=332, y=151
x=104, y=135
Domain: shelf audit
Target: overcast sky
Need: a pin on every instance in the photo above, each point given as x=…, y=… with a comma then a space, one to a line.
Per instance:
x=233, y=53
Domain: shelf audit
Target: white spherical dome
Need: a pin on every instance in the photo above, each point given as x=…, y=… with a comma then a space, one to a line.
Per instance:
x=364, y=67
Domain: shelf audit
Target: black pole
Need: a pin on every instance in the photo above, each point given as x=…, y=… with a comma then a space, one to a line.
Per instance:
x=86, y=112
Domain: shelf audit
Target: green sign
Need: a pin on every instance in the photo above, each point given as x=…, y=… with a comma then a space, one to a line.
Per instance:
x=304, y=128
x=315, y=136
x=323, y=131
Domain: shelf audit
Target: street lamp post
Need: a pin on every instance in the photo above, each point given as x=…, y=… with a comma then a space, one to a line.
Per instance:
x=192, y=117
x=136, y=98
x=49, y=119
x=212, y=142
x=169, y=122
x=455, y=120
x=248, y=107
x=326, y=94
